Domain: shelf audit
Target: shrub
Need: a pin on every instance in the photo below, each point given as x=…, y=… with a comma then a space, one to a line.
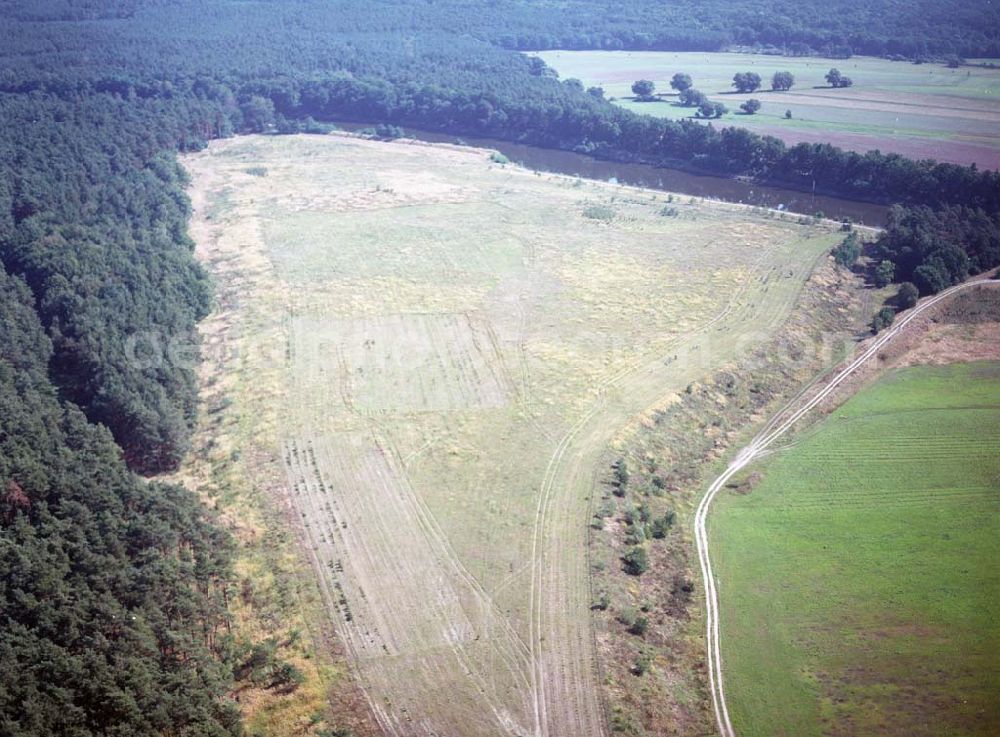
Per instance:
x=635, y=535
x=907, y=295
x=644, y=512
x=629, y=514
x=621, y=475
x=848, y=252
x=639, y=626
x=599, y=212
x=662, y=525
x=285, y=675
x=636, y=561
x=389, y=132
x=883, y=319
x=642, y=664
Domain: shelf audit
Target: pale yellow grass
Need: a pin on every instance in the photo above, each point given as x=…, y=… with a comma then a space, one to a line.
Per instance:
x=433, y=355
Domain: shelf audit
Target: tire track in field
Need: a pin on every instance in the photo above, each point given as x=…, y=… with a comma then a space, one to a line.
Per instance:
x=404, y=610
x=576, y=708
x=779, y=424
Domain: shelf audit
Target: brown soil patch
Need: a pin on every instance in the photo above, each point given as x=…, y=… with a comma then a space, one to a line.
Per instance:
x=953, y=151
x=940, y=335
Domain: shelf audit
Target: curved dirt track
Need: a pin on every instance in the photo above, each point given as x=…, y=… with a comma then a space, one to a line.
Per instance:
x=565, y=680
x=775, y=428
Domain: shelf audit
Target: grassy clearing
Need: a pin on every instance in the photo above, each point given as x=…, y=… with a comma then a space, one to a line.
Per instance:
x=435, y=352
x=859, y=576
x=920, y=110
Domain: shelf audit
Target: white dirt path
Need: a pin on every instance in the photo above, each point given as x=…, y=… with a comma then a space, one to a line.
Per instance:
x=780, y=424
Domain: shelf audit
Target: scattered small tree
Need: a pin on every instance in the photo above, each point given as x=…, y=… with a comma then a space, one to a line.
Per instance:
x=636, y=561
x=286, y=676
x=746, y=81
x=782, y=81
x=788, y=115
x=883, y=319
x=621, y=474
x=848, y=252
x=692, y=97
x=750, y=107
x=643, y=90
x=681, y=82
x=884, y=273
x=662, y=525
x=710, y=109
x=639, y=626
x=635, y=534
x=642, y=664
x=644, y=512
x=835, y=79
x=907, y=295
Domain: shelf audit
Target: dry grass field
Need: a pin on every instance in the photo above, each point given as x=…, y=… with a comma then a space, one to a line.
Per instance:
x=428, y=356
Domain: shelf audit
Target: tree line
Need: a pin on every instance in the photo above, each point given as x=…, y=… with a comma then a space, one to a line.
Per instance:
x=113, y=590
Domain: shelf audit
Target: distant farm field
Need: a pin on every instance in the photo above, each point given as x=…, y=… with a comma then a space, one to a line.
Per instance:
x=860, y=578
x=432, y=353
x=919, y=110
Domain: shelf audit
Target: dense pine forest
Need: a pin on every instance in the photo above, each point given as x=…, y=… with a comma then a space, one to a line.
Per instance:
x=113, y=589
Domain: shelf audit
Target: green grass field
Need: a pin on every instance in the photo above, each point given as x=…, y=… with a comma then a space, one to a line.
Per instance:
x=860, y=585
x=920, y=110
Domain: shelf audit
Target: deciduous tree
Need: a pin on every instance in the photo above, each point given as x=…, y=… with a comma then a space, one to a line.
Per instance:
x=907, y=295
x=643, y=89
x=884, y=273
x=746, y=81
x=681, y=81
x=692, y=98
x=782, y=81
